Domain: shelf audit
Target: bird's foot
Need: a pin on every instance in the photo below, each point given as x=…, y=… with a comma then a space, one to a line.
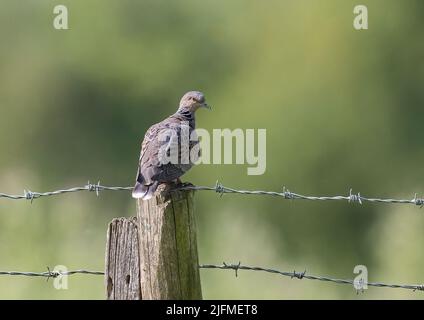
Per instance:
x=185, y=184
x=179, y=184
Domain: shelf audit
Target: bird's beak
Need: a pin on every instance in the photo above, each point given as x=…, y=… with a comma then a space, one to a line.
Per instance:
x=205, y=105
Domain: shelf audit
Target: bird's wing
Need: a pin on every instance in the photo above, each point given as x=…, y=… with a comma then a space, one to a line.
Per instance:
x=149, y=160
x=159, y=138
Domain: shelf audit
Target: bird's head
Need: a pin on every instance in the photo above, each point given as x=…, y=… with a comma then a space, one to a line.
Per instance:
x=192, y=101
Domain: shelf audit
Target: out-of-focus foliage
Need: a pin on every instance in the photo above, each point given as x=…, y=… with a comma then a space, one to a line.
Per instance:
x=342, y=108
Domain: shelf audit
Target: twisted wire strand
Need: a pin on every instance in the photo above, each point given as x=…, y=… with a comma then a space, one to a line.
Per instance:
x=304, y=275
x=221, y=189
x=236, y=267
x=30, y=195
x=286, y=194
x=50, y=274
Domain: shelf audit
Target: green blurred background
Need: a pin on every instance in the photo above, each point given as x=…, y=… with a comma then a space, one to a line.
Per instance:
x=342, y=109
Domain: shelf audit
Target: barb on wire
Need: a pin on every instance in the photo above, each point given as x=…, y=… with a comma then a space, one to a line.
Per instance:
x=236, y=267
x=29, y=195
x=221, y=190
x=50, y=274
x=304, y=275
x=286, y=194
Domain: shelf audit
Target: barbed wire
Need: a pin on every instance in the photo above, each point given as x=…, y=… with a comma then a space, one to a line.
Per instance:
x=30, y=195
x=304, y=275
x=221, y=189
x=50, y=274
x=287, y=194
x=236, y=267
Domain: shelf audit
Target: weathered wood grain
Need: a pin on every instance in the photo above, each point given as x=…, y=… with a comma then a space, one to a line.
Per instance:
x=168, y=246
x=122, y=273
x=154, y=256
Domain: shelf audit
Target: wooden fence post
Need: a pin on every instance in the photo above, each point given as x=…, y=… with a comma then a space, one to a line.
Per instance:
x=159, y=248
x=122, y=272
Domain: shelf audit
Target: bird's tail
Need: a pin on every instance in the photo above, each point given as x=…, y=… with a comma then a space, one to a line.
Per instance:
x=142, y=191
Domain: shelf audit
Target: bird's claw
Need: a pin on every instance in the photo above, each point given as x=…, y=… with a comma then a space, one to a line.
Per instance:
x=184, y=184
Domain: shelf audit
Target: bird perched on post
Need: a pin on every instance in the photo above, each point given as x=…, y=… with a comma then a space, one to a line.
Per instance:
x=165, y=150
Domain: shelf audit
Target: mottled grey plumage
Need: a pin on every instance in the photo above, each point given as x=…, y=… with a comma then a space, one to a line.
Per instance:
x=160, y=138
